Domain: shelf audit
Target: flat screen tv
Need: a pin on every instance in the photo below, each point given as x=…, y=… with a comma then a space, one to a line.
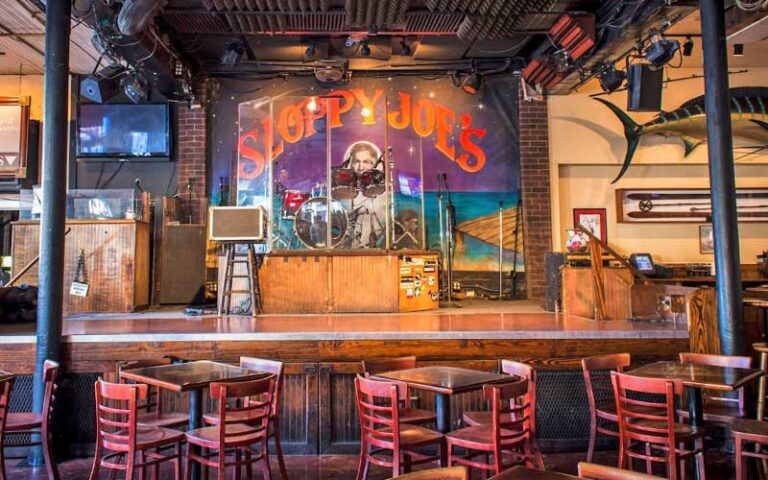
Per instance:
x=123, y=130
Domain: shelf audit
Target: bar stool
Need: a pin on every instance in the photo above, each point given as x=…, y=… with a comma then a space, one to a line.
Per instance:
x=276, y=369
x=654, y=426
x=31, y=423
x=602, y=407
x=520, y=370
x=238, y=437
x=381, y=430
x=118, y=432
x=6, y=382
x=407, y=414
x=509, y=431
x=150, y=412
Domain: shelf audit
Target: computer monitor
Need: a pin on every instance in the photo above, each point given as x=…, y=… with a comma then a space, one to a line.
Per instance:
x=643, y=262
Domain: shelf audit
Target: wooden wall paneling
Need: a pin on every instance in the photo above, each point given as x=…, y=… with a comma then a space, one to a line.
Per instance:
x=702, y=322
x=339, y=423
x=365, y=284
x=645, y=298
x=299, y=415
x=578, y=297
x=295, y=284
x=141, y=265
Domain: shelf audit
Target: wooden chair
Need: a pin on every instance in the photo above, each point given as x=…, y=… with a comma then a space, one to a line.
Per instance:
x=593, y=471
x=151, y=412
x=602, y=407
x=746, y=433
x=276, y=369
x=509, y=431
x=447, y=473
x=762, y=350
x=31, y=423
x=408, y=414
x=5, y=398
x=252, y=428
x=381, y=430
x=118, y=432
x=520, y=370
x=651, y=424
x=719, y=409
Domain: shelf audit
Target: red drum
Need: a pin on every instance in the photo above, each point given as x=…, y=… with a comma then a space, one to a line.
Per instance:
x=344, y=184
x=292, y=200
x=372, y=183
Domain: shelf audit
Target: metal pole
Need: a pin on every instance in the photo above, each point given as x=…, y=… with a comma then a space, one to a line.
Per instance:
x=722, y=177
x=501, y=249
x=55, y=146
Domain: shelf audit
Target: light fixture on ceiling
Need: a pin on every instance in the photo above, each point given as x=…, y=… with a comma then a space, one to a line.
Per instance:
x=688, y=47
x=232, y=53
x=365, y=50
x=471, y=83
x=135, y=87
x=661, y=50
x=310, y=51
x=611, y=78
x=738, y=49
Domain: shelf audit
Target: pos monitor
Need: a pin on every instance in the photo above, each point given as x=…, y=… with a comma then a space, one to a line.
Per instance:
x=643, y=262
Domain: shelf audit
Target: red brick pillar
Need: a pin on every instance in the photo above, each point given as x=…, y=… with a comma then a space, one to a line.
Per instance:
x=192, y=157
x=535, y=190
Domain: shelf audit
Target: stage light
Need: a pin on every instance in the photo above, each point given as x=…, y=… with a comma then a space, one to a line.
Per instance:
x=233, y=53
x=738, y=49
x=471, y=83
x=661, y=50
x=365, y=112
x=312, y=105
x=365, y=50
x=135, y=87
x=611, y=79
x=688, y=47
x=310, y=51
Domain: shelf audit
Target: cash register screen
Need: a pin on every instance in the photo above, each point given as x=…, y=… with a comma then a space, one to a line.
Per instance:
x=642, y=261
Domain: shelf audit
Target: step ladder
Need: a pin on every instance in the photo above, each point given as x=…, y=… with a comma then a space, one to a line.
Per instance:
x=252, y=261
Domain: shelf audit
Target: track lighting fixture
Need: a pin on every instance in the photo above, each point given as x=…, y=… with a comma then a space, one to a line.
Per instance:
x=471, y=83
x=310, y=51
x=405, y=49
x=611, y=78
x=661, y=50
x=688, y=47
x=233, y=53
x=365, y=50
x=135, y=87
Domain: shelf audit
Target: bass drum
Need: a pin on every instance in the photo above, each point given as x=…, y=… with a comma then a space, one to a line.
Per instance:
x=311, y=224
x=372, y=183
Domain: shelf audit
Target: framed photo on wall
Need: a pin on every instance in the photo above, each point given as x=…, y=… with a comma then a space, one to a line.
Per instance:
x=14, y=122
x=594, y=220
x=706, y=239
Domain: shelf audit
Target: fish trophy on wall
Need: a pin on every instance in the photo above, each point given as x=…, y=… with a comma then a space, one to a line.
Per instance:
x=749, y=121
x=685, y=205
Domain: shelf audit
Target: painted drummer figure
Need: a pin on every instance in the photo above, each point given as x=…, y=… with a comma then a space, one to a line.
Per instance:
x=368, y=206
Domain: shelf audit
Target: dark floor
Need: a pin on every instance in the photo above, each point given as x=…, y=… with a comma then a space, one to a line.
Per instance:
x=328, y=467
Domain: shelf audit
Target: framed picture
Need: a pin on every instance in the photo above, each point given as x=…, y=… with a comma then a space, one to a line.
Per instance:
x=684, y=205
x=14, y=121
x=592, y=219
x=706, y=239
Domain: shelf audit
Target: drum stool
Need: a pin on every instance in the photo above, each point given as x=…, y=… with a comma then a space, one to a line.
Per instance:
x=252, y=261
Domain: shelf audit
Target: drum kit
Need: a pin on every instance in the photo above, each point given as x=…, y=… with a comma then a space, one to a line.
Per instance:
x=309, y=211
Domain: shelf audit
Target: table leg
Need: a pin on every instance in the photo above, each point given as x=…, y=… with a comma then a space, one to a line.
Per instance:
x=195, y=419
x=695, y=412
x=443, y=404
x=765, y=324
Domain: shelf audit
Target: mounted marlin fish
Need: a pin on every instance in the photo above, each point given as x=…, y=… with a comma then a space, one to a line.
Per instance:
x=749, y=120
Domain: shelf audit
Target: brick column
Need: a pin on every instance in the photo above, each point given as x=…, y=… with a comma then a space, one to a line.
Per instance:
x=535, y=191
x=192, y=157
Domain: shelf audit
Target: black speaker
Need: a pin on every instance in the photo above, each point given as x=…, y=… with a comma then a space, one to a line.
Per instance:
x=33, y=155
x=97, y=89
x=644, y=88
x=552, y=263
x=182, y=264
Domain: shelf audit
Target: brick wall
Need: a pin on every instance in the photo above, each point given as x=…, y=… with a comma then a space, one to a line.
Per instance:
x=537, y=221
x=192, y=157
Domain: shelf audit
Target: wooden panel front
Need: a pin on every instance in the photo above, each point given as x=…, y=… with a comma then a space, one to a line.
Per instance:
x=299, y=409
x=578, y=293
x=116, y=263
x=295, y=284
x=364, y=284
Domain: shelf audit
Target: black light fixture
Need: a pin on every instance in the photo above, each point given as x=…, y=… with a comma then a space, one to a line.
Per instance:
x=310, y=51
x=232, y=53
x=135, y=87
x=688, y=47
x=365, y=50
x=471, y=83
x=405, y=48
x=611, y=78
x=661, y=51
x=738, y=49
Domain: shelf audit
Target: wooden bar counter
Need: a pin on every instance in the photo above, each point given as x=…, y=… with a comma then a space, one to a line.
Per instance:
x=116, y=262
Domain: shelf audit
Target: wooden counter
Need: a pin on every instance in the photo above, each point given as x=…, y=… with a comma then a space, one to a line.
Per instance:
x=116, y=262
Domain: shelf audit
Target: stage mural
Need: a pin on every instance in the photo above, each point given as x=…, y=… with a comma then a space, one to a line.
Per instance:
x=378, y=163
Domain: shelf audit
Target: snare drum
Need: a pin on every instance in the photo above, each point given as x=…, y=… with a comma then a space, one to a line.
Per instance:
x=292, y=200
x=344, y=183
x=372, y=183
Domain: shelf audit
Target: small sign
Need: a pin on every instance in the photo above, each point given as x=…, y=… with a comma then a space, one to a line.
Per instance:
x=79, y=289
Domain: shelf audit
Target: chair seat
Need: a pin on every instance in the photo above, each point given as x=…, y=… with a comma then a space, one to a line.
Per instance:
x=414, y=415
x=414, y=436
x=245, y=416
x=751, y=430
x=718, y=413
x=147, y=437
x=23, y=421
x=479, y=437
x=683, y=431
x=164, y=419
x=476, y=418
x=209, y=436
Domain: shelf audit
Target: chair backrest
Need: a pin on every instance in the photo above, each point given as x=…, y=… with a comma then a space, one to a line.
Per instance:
x=615, y=362
x=719, y=361
x=377, y=409
x=523, y=370
x=256, y=410
x=628, y=391
x=593, y=471
x=449, y=473
x=510, y=411
x=50, y=373
x=271, y=366
x=116, y=411
x=154, y=399
x=5, y=399
x=381, y=365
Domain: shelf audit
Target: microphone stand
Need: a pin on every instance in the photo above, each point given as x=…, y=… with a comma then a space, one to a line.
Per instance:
x=450, y=224
x=440, y=230
x=501, y=249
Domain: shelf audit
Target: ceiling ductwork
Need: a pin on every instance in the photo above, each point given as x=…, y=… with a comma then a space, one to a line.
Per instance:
x=135, y=15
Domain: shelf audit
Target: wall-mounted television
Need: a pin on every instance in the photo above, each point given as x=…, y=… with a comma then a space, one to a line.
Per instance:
x=123, y=130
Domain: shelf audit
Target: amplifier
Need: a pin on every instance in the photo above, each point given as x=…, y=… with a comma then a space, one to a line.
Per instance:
x=237, y=224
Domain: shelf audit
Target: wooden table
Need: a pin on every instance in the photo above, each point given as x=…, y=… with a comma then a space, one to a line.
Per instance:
x=444, y=382
x=698, y=377
x=524, y=473
x=191, y=377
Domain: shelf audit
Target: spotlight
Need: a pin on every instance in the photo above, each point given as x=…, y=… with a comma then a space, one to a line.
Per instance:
x=135, y=87
x=233, y=53
x=310, y=51
x=688, y=47
x=312, y=105
x=661, y=50
x=178, y=69
x=365, y=50
x=611, y=79
x=738, y=49
x=471, y=83
x=405, y=49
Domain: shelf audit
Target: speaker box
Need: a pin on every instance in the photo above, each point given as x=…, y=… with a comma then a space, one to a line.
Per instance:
x=98, y=89
x=182, y=264
x=552, y=263
x=237, y=224
x=644, y=88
